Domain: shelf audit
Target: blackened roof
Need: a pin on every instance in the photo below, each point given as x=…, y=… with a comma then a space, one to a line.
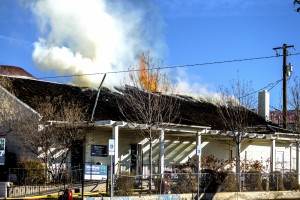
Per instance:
x=28, y=91
x=191, y=112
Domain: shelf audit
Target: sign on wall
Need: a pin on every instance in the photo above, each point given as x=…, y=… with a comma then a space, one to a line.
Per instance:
x=2, y=151
x=95, y=172
x=99, y=150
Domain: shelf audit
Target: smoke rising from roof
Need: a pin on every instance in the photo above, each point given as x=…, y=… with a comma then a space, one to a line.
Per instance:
x=98, y=36
x=95, y=36
x=192, y=86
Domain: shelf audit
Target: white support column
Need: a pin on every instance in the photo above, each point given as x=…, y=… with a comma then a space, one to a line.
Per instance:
x=116, y=138
x=198, y=159
x=162, y=151
x=291, y=157
x=273, y=158
x=297, y=162
x=198, y=143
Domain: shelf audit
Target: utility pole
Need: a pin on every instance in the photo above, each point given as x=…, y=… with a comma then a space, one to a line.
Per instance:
x=285, y=73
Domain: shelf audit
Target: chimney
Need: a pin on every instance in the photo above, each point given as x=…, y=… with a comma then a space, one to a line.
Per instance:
x=264, y=105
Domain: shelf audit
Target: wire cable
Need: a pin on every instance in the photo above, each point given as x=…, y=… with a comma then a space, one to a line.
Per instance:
x=170, y=67
x=271, y=85
x=276, y=109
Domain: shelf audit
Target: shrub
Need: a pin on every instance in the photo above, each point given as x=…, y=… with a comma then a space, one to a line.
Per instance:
x=256, y=166
x=124, y=184
x=226, y=181
x=186, y=182
x=290, y=181
x=253, y=181
x=212, y=180
x=34, y=171
x=276, y=181
x=221, y=181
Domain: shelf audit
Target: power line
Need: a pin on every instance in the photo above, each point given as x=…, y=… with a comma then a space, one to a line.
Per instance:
x=270, y=85
x=275, y=108
x=170, y=67
x=278, y=81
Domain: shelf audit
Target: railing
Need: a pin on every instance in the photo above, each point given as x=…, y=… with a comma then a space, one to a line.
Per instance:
x=179, y=183
x=38, y=181
x=171, y=183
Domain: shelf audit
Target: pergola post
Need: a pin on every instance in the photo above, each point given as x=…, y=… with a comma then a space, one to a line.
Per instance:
x=115, y=136
x=297, y=162
x=162, y=152
x=273, y=155
x=198, y=157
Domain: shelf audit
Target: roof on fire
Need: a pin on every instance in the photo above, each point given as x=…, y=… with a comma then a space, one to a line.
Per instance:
x=191, y=112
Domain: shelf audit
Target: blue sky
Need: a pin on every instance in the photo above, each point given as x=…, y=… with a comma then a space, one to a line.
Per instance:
x=178, y=32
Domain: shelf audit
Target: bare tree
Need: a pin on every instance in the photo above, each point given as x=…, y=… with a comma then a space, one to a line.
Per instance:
x=148, y=104
x=234, y=104
x=7, y=114
x=297, y=4
x=54, y=132
x=295, y=103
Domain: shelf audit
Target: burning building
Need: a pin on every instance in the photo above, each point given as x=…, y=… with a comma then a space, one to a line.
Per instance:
x=180, y=139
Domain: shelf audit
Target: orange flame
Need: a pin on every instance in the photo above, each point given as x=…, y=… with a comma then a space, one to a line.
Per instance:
x=148, y=80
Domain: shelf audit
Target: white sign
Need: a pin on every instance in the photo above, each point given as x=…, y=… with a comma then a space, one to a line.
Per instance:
x=198, y=150
x=111, y=147
x=2, y=151
x=95, y=172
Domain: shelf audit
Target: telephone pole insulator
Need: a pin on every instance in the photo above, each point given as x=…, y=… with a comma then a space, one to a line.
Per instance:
x=286, y=70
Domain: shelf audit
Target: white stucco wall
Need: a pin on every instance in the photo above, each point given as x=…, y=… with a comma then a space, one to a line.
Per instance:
x=179, y=149
x=256, y=150
x=221, y=149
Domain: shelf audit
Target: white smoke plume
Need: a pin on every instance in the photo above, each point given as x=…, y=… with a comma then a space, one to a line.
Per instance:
x=95, y=36
x=99, y=36
x=192, y=86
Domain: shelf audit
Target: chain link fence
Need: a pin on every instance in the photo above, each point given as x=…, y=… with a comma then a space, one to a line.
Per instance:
x=180, y=183
x=35, y=182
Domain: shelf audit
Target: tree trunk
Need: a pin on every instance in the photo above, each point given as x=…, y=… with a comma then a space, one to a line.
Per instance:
x=298, y=162
x=150, y=166
x=238, y=164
